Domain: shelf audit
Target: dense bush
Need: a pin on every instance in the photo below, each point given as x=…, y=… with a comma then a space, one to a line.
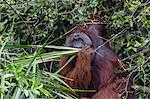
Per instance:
x=29, y=27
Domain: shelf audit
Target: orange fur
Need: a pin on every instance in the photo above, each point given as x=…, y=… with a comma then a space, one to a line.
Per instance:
x=98, y=73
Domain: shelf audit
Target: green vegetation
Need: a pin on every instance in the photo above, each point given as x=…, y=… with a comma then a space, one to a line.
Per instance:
x=29, y=28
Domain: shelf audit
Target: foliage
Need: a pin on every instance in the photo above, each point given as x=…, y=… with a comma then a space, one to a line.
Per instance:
x=46, y=22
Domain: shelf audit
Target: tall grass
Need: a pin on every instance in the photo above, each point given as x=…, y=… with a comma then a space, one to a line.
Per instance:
x=22, y=78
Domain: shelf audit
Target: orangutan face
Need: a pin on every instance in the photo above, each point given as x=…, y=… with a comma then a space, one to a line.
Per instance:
x=78, y=40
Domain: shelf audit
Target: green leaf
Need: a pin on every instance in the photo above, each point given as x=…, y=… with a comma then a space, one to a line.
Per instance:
x=17, y=93
x=44, y=91
x=26, y=92
x=1, y=26
x=36, y=91
x=31, y=95
x=11, y=67
x=55, y=76
x=19, y=68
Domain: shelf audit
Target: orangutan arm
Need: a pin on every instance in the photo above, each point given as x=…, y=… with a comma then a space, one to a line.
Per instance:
x=113, y=90
x=81, y=73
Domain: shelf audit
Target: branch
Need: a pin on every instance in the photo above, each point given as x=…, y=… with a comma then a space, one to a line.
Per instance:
x=137, y=54
x=18, y=15
x=114, y=37
x=142, y=88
